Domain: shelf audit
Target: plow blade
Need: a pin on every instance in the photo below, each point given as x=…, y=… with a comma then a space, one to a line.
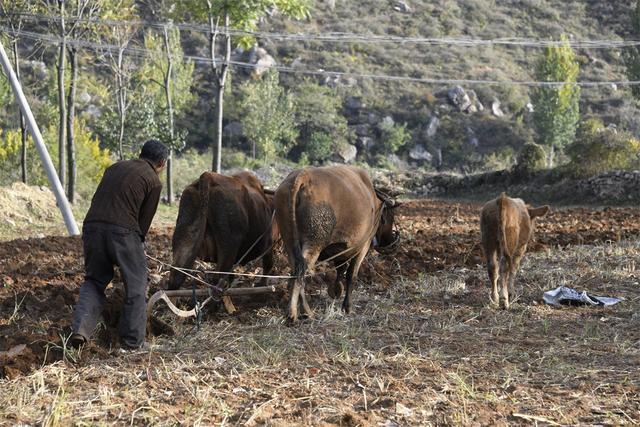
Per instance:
x=167, y=295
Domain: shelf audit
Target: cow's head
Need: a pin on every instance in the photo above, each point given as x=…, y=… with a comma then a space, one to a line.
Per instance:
x=386, y=237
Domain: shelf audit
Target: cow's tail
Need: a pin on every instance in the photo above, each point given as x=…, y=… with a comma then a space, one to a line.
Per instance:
x=502, y=224
x=300, y=264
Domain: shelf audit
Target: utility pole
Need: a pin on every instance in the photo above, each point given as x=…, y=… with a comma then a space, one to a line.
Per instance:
x=63, y=203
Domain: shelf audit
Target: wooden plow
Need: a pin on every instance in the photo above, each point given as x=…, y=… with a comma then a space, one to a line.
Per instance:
x=225, y=295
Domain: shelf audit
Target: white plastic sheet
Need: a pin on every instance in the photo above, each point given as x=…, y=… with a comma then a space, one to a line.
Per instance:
x=568, y=296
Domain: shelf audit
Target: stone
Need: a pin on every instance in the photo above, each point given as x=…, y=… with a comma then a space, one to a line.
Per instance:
x=353, y=103
x=459, y=98
x=402, y=6
x=495, y=108
x=347, y=153
x=432, y=127
x=418, y=152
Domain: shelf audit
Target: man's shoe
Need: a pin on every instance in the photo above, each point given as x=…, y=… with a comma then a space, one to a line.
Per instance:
x=76, y=341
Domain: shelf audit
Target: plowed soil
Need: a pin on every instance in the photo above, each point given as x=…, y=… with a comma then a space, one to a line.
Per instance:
x=40, y=278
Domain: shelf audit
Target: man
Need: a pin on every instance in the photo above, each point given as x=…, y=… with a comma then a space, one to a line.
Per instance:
x=113, y=233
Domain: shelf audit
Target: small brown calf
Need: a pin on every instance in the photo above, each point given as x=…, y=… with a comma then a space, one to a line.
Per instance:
x=507, y=226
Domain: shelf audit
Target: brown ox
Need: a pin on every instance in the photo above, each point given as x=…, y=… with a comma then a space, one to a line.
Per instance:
x=507, y=225
x=330, y=213
x=219, y=219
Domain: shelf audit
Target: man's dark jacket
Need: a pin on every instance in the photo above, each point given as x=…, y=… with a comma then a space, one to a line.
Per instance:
x=127, y=196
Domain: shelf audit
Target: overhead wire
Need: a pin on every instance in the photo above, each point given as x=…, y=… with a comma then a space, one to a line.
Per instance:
x=146, y=53
x=342, y=37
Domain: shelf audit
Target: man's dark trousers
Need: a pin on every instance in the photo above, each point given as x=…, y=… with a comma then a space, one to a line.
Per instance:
x=106, y=245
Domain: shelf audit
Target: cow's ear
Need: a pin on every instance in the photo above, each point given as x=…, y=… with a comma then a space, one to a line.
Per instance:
x=536, y=212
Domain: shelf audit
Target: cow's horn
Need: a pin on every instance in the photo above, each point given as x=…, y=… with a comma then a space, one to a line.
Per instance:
x=269, y=191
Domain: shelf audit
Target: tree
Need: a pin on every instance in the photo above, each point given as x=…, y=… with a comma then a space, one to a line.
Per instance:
x=632, y=53
x=318, y=118
x=122, y=66
x=267, y=116
x=171, y=74
x=232, y=14
x=557, y=112
x=13, y=11
x=81, y=11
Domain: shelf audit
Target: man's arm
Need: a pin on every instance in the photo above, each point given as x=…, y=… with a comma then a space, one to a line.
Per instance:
x=148, y=209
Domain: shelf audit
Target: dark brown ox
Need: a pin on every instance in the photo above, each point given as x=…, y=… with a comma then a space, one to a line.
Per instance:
x=223, y=219
x=330, y=213
x=507, y=225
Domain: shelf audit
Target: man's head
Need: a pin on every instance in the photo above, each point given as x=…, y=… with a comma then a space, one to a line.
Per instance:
x=156, y=152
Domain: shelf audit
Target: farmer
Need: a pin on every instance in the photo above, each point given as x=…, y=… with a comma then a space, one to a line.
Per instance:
x=113, y=233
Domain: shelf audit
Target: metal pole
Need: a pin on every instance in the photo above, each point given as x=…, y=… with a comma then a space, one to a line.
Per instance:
x=61, y=198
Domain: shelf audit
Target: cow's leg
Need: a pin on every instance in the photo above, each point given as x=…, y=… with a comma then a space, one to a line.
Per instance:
x=352, y=273
x=505, y=273
x=294, y=293
x=267, y=267
x=226, y=259
x=335, y=290
x=311, y=256
x=493, y=267
x=514, y=271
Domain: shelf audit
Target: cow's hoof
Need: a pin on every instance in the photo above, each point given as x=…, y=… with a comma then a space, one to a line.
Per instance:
x=335, y=290
x=346, y=308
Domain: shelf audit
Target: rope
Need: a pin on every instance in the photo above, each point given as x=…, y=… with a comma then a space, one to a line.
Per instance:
x=269, y=228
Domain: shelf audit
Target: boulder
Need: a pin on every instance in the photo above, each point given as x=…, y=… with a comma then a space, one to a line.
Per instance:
x=420, y=153
x=495, y=108
x=353, y=103
x=260, y=59
x=347, y=153
x=432, y=127
x=458, y=97
x=402, y=6
x=476, y=105
x=362, y=130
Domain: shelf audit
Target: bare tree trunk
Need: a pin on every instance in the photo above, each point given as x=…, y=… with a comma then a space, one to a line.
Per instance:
x=120, y=92
x=62, y=122
x=71, y=148
x=221, y=77
x=167, y=89
x=551, y=157
x=23, y=125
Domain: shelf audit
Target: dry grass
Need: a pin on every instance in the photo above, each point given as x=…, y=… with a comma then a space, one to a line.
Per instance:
x=427, y=351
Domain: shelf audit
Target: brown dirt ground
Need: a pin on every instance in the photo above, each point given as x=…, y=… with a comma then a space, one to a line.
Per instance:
x=39, y=280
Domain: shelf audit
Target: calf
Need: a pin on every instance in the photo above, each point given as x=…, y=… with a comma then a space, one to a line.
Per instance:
x=507, y=226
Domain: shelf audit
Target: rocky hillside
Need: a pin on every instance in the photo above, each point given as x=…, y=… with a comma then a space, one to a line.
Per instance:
x=482, y=124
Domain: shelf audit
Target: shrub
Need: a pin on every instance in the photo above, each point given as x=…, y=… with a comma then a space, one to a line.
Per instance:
x=531, y=158
x=392, y=137
x=91, y=160
x=598, y=149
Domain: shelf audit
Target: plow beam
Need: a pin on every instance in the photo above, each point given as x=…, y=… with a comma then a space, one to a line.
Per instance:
x=232, y=292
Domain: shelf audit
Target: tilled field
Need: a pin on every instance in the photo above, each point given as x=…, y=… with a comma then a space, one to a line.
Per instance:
x=422, y=346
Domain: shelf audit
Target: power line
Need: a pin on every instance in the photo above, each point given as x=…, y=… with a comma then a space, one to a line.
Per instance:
x=338, y=37
x=146, y=53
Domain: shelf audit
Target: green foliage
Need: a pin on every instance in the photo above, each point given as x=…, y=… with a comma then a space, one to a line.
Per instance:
x=268, y=118
x=243, y=14
x=318, y=118
x=557, y=112
x=393, y=136
x=531, y=158
x=598, y=149
x=91, y=159
x=152, y=77
x=319, y=147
